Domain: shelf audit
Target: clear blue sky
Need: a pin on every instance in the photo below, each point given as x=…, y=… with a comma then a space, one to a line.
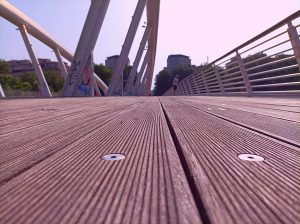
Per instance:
x=199, y=29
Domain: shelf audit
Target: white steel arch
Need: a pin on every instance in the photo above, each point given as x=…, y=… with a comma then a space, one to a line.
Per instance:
x=18, y=18
x=81, y=80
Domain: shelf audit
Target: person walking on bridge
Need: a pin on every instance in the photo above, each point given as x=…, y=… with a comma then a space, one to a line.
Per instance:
x=175, y=83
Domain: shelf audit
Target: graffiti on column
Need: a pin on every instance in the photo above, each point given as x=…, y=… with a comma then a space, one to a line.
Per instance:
x=84, y=88
x=74, y=72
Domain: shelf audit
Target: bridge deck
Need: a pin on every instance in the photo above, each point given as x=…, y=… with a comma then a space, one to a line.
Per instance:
x=181, y=160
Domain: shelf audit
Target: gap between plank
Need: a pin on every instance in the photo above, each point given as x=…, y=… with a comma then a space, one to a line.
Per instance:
x=191, y=181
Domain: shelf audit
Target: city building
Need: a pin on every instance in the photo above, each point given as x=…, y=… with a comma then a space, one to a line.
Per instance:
x=111, y=61
x=177, y=60
x=19, y=67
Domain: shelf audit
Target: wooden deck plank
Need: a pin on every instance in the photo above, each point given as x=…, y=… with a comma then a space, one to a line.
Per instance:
x=74, y=185
x=22, y=149
x=272, y=107
x=43, y=113
x=232, y=190
x=283, y=129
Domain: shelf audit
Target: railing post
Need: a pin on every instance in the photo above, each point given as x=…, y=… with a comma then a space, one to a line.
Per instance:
x=205, y=82
x=181, y=84
x=189, y=86
x=43, y=85
x=244, y=72
x=117, y=75
x=179, y=90
x=295, y=41
x=195, y=82
x=2, y=94
x=61, y=64
x=219, y=79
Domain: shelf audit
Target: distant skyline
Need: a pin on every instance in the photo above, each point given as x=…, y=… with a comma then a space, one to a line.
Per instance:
x=198, y=29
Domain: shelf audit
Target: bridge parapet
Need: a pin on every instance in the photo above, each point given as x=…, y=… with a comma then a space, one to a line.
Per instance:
x=267, y=64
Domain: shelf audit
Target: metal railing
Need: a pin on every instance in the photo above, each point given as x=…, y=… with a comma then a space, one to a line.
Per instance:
x=266, y=64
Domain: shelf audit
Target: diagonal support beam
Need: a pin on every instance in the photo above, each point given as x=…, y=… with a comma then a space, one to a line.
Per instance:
x=43, y=86
x=133, y=72
x=74, y=83
x=117, y=75
x=2, y=94
x=153, y=9
x=140, y=74
x=143, y=84
x=61, y=64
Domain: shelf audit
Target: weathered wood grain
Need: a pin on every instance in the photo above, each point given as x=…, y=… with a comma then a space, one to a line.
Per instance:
x=232, y=190
x=75, y=186
x=284, y=129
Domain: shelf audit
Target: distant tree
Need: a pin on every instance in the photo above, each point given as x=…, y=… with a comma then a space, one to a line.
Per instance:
x=162, y=82
x=55, y=80
x=126, y=73
x=103, y=72
x=182, y=71
x=164, y=79
x=4, y=67
x=31, y=79
x=7, y=81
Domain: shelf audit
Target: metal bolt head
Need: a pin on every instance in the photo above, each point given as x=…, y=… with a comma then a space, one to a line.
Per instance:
x=113, y=157
x=251, y=157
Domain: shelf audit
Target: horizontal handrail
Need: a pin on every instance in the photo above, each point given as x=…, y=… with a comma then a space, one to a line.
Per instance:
x=277, y=84
x=268, y=56
x=276, y=77
x=270, y=63
x=272, y=38
x=266, y=32
x=272, y=70
x=223, y=77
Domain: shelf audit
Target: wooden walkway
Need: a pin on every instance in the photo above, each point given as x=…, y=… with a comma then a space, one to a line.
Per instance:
x=181, y=162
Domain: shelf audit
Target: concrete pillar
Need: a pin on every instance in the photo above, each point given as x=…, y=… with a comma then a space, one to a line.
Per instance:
x=117, y=75
x=133, y=72
x=244, y=72
x=61, y=64
x=43, y=86
x=295, y=41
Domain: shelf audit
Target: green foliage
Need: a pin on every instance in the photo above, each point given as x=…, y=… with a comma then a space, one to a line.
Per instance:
x=162, y=82
x=106, y=73
x=126, y=73
x=9, y=82
x=29, y=82
x=164, y=79
x=274, y=63
x=103, y=73
x=31, y=79
x=4, y=67
x=55, y=80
